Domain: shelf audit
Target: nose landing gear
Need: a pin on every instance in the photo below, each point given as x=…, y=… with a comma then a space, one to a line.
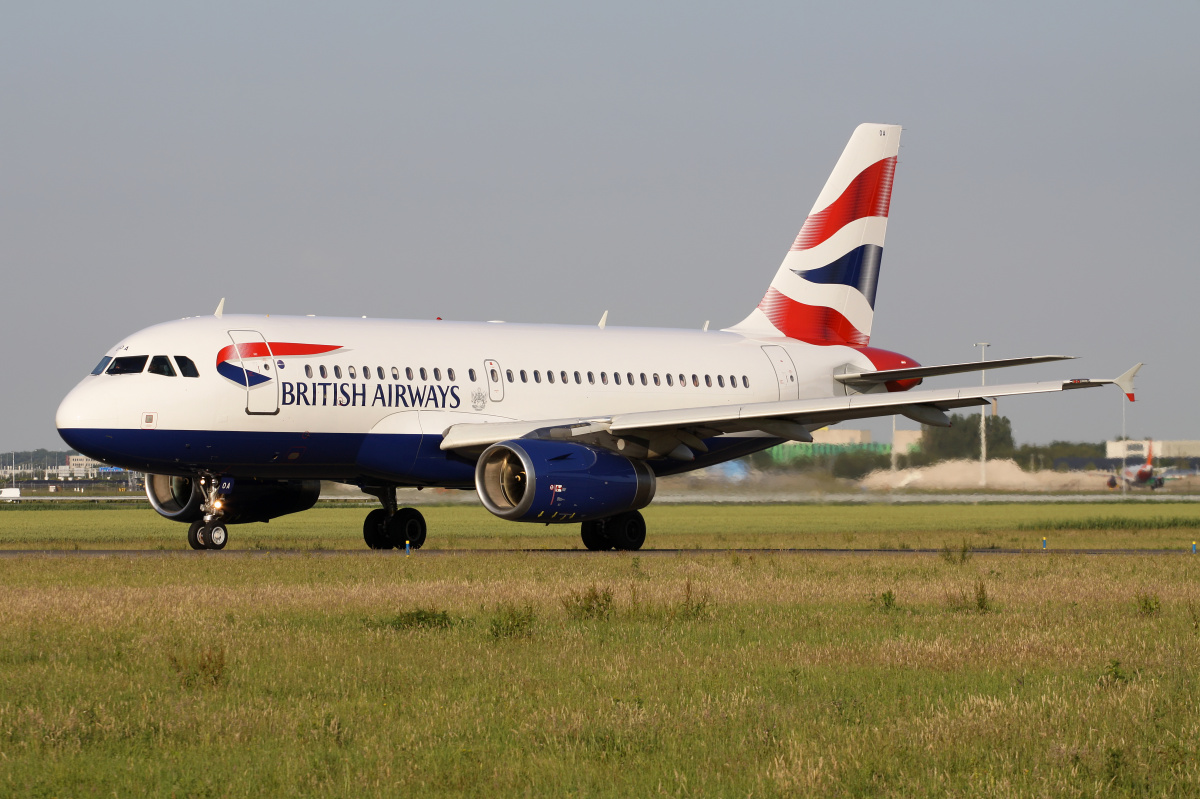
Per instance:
x=209, y=532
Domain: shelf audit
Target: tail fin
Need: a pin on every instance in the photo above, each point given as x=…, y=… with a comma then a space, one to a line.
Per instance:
x=824, y=292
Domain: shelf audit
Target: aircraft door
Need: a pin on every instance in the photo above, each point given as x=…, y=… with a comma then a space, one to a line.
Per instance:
x=254, y=356
x=495, y=380
x=785, y=372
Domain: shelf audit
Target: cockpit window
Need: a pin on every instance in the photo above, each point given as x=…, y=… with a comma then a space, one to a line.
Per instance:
x=128, y=365
x=186, y=367
x=99, y=370
x=161, y=365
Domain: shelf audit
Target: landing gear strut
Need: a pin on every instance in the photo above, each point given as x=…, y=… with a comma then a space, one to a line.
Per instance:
x=625, y=531
x=389, y=526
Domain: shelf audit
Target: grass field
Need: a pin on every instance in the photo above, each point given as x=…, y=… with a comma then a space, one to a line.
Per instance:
x=606, y=674
x=1066, y=526
x=600, y=675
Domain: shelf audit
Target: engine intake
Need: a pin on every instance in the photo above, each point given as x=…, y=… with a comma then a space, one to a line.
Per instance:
x=558, y=482
x=177, y=498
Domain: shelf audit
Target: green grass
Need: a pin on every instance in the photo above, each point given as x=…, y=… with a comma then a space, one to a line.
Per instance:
x=600, y=675
x=1067, y=526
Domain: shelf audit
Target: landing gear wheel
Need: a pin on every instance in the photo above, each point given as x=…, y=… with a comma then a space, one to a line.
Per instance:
x=593, y=535
x=626, y=531
x=407, y=524
x=194, y=540
x=373, y=530
x=217, y=536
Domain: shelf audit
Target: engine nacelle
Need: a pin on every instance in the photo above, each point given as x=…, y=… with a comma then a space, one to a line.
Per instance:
x=177, y=498
x=180, y=498
x=558, y=482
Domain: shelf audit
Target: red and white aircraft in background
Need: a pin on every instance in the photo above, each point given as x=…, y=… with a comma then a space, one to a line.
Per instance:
x=1140, y=475
x=238, y=418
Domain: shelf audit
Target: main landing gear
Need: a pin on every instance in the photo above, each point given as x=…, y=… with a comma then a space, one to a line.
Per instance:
x=625, y=531
x=391, y=527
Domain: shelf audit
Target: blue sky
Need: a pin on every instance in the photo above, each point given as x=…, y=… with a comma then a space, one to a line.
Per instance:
x=545, y=162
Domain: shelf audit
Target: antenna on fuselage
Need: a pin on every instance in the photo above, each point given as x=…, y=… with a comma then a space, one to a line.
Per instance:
x=706, y=321
x=220, y=309
x=603, y=320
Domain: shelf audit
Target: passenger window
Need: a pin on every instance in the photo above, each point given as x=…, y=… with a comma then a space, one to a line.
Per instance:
x=629, y=376
x=450, y=375
x=604, y=378
x=656, y=382
x=324, y=373
x=592, y=379
x=745, y=381
x=437, y=374
x=495, y=376
x=549, y=376
x=186, y=367
x=733, y=381
x=643, y=379
x=537, y=376
x=337, y=372
x=524, y=377
x=696, y=382
x=708, y=381
x=564, y=377
x=670, y=381
x=424, y=374
x=395, y=373
x=721, y=381
x=128, y=365
x=471, y=374
x=682, y=381
x=408, y=372
x=99, y=370
x=308, y=370
x=508, y=373
x=578, y=380
x=366, y=373
x=617, y=378
x=379, y=372
x=350, y=372
x=161, y=365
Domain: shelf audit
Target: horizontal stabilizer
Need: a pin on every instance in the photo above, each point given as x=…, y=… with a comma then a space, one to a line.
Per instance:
x=920, y=372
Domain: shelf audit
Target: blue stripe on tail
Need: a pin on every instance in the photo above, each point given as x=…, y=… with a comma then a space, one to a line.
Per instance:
x=858, y=269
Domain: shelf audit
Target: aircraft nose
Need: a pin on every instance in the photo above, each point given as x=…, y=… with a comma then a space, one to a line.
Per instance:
x=74, y=410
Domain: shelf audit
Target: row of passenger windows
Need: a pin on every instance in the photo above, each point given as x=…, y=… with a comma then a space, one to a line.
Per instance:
x=136, y=364
x=550, y=376
x=629, y=378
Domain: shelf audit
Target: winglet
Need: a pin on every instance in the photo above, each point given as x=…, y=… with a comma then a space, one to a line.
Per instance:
x=220, y=309
x=1125, y=381
x=603, y=320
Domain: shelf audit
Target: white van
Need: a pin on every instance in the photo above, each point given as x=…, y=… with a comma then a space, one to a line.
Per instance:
x=10, y=494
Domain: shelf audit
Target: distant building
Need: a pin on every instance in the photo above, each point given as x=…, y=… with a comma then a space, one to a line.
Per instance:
x=1162, y=449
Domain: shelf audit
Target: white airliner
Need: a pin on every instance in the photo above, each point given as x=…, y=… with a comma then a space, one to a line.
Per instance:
x=238, y=418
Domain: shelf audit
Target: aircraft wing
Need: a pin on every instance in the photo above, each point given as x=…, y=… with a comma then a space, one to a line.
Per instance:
x=678, y=432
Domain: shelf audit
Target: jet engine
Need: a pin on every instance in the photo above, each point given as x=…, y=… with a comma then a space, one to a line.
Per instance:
x=532, y=480
x=180, y=498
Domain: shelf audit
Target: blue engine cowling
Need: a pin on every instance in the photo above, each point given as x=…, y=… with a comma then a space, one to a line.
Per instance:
x=179, y=498
x=558, y=482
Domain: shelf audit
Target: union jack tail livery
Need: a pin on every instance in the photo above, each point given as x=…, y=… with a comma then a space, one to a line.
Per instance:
x=824, y=291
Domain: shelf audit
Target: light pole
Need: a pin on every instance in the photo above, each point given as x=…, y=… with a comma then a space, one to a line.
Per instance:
x=1124, y=451
x=983, y=345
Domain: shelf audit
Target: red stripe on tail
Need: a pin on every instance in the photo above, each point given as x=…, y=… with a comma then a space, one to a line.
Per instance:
x=814, y=324
x=869, y=194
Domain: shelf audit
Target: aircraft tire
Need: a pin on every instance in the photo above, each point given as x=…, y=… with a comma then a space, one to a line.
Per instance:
x=406, y=525
x=626, y=531
x=373, y=530
x=216, y=536
x=593, y=535
x=193, y=535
